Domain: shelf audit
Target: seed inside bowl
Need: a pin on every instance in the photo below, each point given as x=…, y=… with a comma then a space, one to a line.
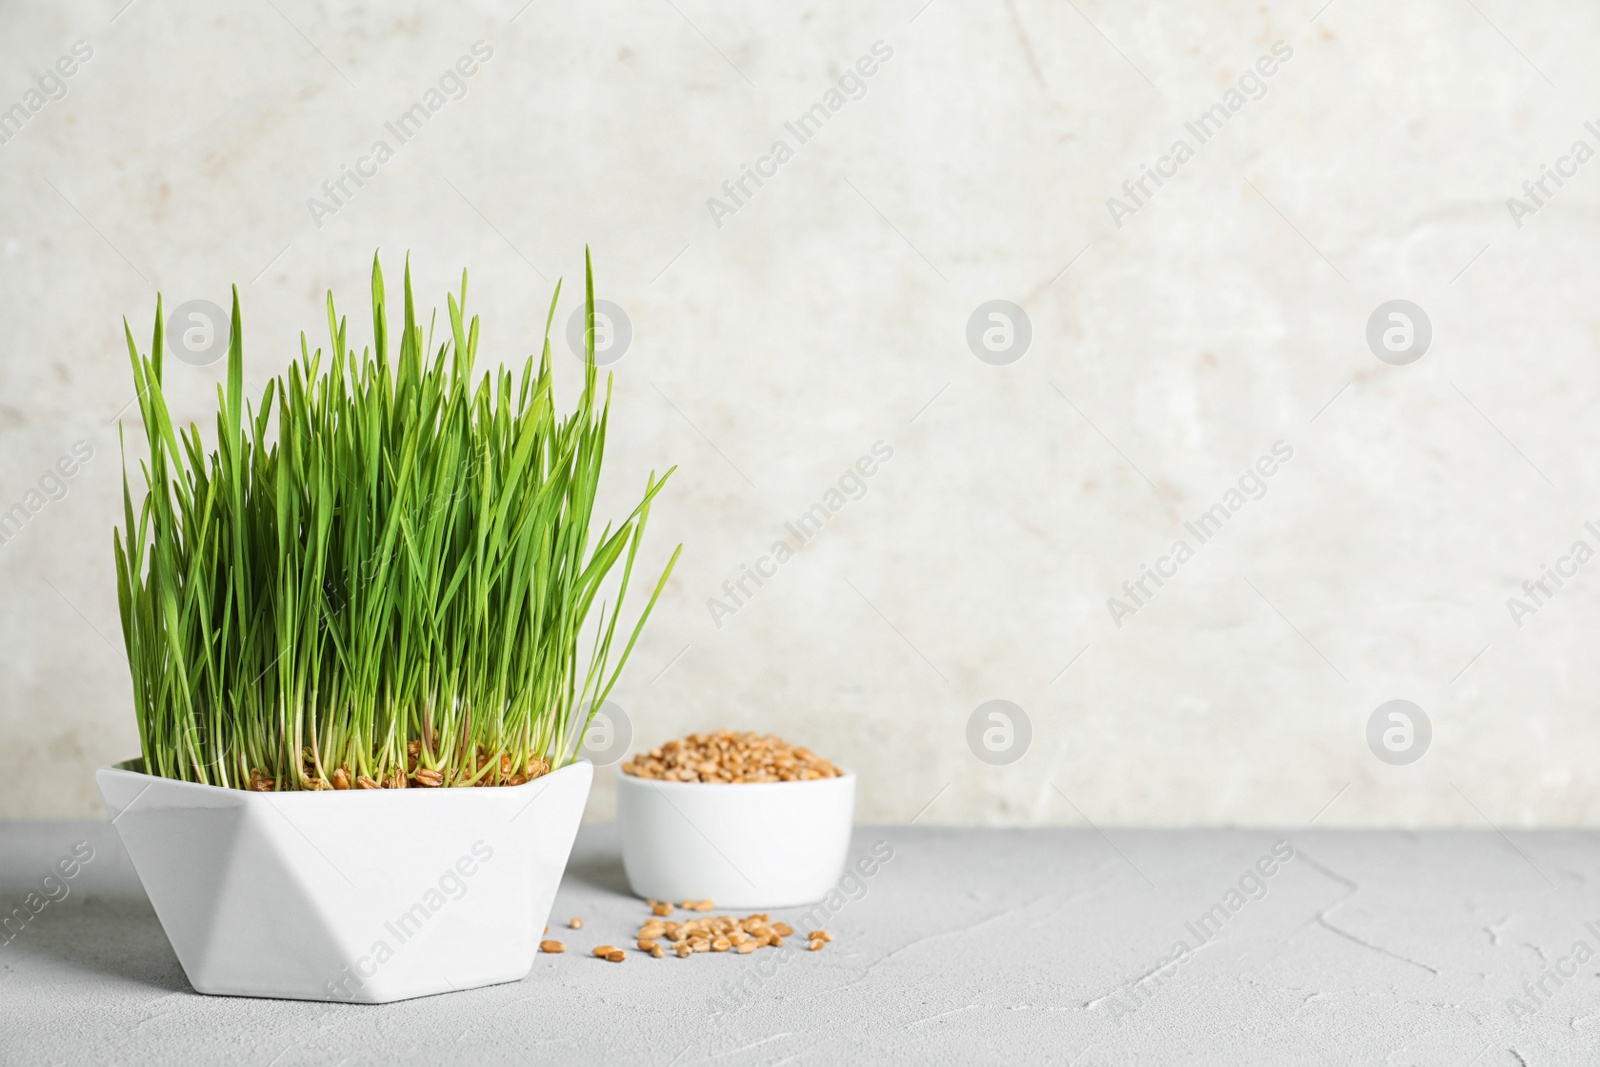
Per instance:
x=727, y=756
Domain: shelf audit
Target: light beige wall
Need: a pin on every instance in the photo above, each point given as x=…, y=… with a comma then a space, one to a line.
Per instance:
x=829, y=312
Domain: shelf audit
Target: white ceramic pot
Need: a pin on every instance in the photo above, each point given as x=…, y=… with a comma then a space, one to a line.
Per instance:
x=741, y=845
x=369, y=895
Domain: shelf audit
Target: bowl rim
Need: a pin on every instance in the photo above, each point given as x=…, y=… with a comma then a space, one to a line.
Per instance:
x=134, y=766
x=846, y=775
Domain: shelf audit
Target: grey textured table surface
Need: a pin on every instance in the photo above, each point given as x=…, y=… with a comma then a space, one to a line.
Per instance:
x=967, y=946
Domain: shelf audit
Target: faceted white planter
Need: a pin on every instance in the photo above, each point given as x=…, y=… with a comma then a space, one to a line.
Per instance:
x=739, y=845
x=367, y=895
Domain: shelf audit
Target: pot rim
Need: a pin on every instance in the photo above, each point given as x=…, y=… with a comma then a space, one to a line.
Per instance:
x=134, y=767
x=636, y=780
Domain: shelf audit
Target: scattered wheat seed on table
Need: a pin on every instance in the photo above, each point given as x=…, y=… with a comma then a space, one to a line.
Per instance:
x=616, y=956
x=604, y=950
x=816, y=944
x=552, y=946
x=576, y=924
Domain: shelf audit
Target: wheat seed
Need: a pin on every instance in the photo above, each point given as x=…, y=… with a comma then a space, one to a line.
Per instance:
x=730, y=757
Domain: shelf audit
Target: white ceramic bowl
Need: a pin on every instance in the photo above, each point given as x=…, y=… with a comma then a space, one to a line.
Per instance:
x=366, y=895
x=741, y=845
